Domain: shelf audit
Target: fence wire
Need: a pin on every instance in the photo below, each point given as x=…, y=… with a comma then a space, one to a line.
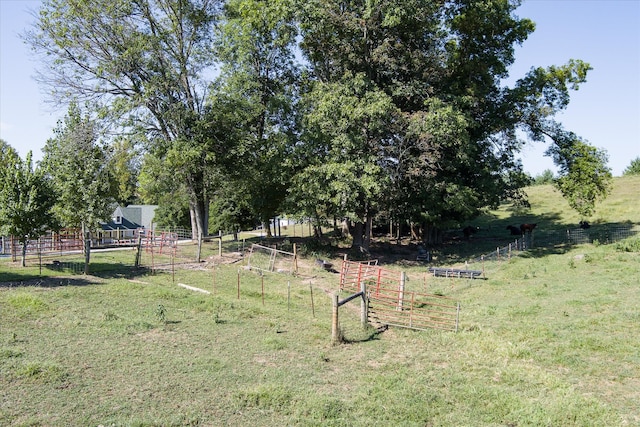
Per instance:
x=541, y=239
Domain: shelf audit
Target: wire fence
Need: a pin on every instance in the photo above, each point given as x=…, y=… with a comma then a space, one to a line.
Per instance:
x=541, y=239
x=162, y=249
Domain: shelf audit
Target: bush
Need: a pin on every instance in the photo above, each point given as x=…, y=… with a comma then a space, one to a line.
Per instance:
x=633, y=168
x=545, y=178
x=628, y=245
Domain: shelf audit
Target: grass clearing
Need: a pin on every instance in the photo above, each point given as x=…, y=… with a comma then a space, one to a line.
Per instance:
x=551, y=337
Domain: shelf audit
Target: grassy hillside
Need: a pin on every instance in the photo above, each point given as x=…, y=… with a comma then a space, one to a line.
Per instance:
x=550, y=210
x=619, y=212
x=551, y=337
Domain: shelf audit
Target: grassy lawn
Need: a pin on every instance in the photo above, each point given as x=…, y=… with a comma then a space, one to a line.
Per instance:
x=550, y=338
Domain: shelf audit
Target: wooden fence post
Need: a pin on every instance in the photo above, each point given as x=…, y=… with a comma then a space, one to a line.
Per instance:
x=40, y=255
x=199, y=250
x=364, y=303
x=413, y=297
x=403, y=278
x=87, y=253
x=238, y=284
x=335, y=339
x=137, y=263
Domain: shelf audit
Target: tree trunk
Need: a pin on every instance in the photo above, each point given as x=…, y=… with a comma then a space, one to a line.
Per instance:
x=198, y=208
x=357, y=233
x=199, y=222
x=194, y=222
x=199, y=250
x=86, y=247
x=368, y=232
x=345, y=228
x=87, y=254
x=432, y=235
x=415, y=232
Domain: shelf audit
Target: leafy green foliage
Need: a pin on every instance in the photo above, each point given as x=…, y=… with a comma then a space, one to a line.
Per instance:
x=8, y=157
x=449, y=148
x=26, y=201
x=633, y=168
x=158, y=185
x=401, y=112
x=257, y=86
x=125, y=167
x=546, y=177
x=584, y=179
x=348, y=123
x=78, y=164
x=628, y=245
x=231, y=212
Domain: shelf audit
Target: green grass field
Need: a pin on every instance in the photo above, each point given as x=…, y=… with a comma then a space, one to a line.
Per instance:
x=550, y=338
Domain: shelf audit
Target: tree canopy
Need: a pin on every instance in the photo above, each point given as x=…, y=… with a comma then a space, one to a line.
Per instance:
x=143, y=65
x=320, y=108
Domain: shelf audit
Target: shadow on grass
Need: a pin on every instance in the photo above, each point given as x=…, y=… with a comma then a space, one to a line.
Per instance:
x=56, y=274
x=46, y=282
x=368, y=335
x=551, y=236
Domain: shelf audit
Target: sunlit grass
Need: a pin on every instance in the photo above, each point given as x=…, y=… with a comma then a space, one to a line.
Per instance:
x=551, y=337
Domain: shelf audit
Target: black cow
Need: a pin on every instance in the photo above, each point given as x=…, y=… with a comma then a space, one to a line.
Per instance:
x=515, y=231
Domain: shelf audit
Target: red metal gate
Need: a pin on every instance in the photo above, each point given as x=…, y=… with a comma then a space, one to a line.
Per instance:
x=390, y=304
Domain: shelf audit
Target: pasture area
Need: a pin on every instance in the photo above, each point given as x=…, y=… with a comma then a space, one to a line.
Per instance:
x=550, y=338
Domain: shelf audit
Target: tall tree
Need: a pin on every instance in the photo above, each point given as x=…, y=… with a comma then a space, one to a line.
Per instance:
x=584, y=178
x=259, y=76
x=453, y=148
x=347, y=126
x=145, y=63
x=26, y=201
x=79, y=167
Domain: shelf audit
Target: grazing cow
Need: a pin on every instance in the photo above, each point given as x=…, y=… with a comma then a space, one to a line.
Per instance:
x=515, y=231
x=584, y=225
x=527, y=228
x=469, y=230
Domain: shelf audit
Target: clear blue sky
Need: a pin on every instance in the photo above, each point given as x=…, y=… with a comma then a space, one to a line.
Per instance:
x=605, y=111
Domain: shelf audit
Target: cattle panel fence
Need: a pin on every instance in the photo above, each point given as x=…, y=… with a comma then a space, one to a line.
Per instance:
x=390, y=304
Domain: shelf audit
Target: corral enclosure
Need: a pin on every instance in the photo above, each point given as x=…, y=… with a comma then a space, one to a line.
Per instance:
x=549, y=337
